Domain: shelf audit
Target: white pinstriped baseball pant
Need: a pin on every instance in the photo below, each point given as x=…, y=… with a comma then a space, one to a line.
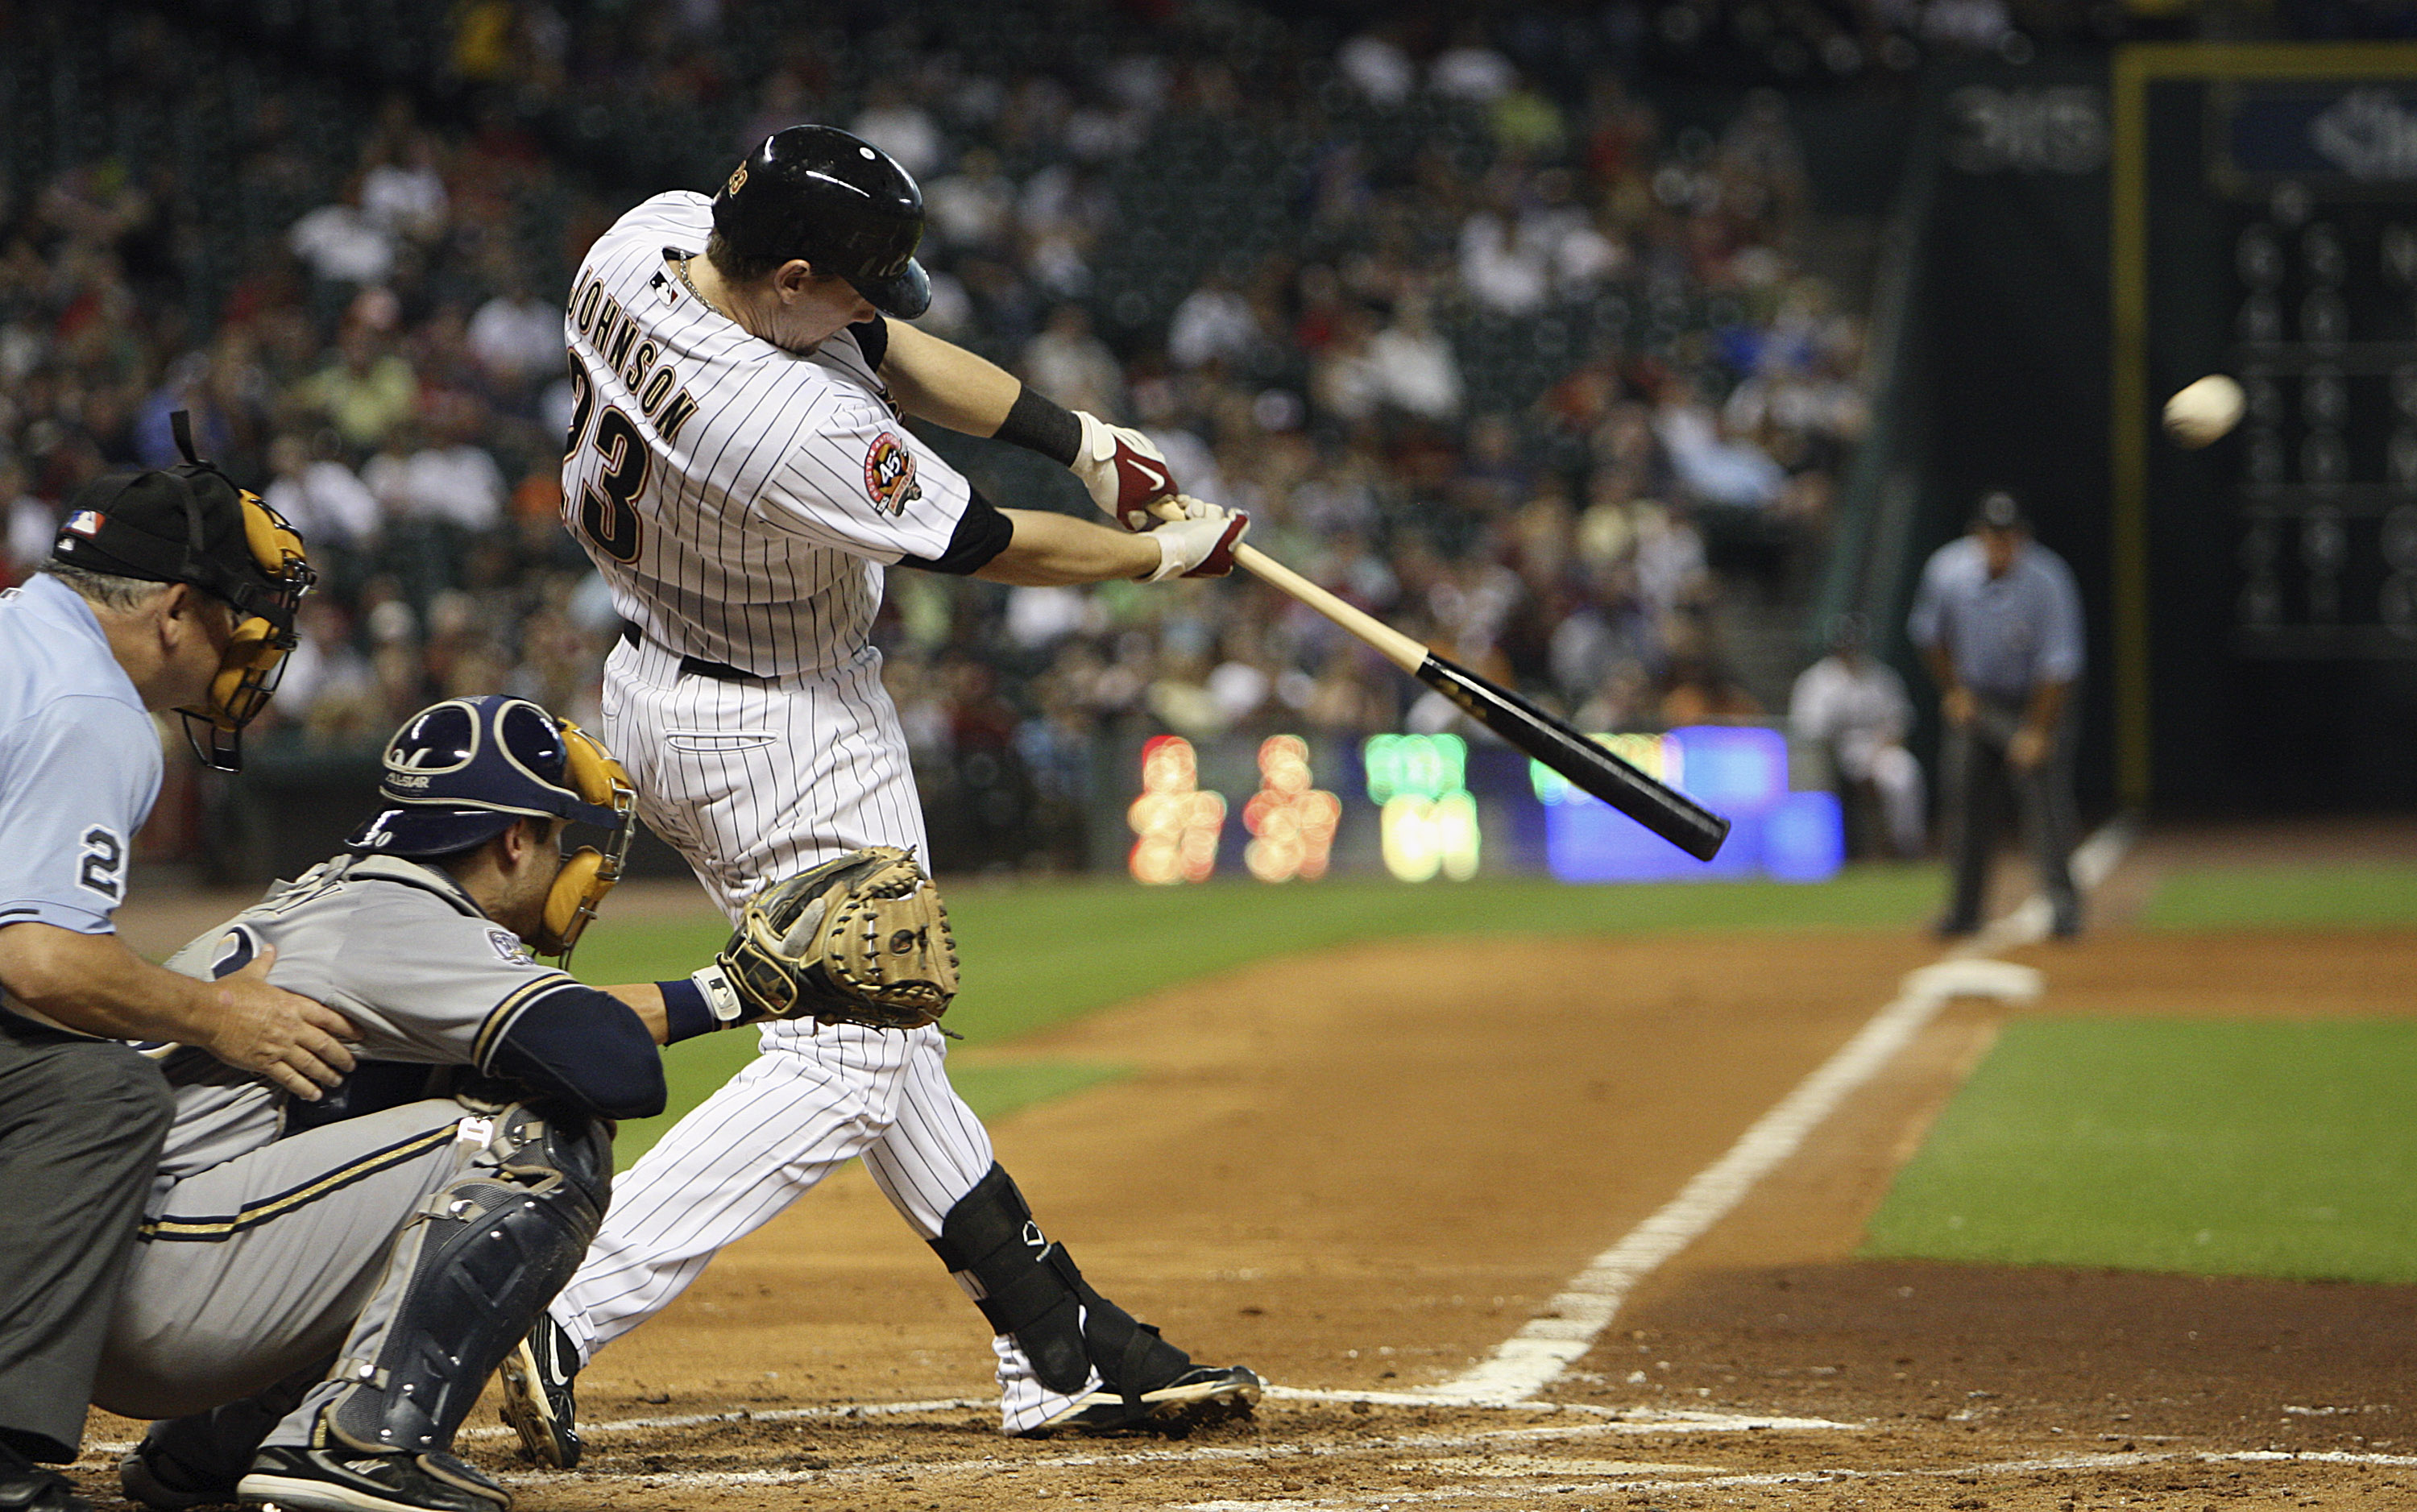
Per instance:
x=750, y=781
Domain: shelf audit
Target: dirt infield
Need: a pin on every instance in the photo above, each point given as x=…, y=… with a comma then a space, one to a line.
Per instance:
x=1336, y=1170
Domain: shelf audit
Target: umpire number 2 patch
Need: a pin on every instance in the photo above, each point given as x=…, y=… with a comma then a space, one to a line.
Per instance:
x=102, y=867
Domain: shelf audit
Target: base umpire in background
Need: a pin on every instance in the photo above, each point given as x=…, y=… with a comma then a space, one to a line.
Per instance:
x=166, y=590
x=1998, y=620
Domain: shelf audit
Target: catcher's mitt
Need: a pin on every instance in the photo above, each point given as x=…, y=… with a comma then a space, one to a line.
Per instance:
x=860, y=938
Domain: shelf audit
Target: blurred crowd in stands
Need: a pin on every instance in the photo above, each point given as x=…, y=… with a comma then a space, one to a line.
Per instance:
x=1489, y=354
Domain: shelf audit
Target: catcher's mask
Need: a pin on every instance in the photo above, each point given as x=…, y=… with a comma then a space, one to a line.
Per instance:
x=230, y=545
x=460, y=772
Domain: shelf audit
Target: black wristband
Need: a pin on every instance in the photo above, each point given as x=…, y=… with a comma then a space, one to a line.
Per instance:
x=1045, y=426
x=686, y=1014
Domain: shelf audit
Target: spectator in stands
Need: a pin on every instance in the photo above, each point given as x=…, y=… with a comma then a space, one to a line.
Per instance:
x=1413, y=366
x=1375, y=65
x=365, y=393
x=450, y=477
x=327, y=688
x=1505, y=265
x=1470, y=69
x=1068, y=363
x=32, y=523
x=1322, y=376
x=402, y=192
x=893, y=121
x=1711, y=466
x=516, y=335
x=1998, y=619
x=340, y=243
x=1214, y=324
x=320, y=496
x=1696, y=691
x=1852, y=707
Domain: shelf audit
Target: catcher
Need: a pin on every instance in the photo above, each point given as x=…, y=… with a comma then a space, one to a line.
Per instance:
x=320, y=1290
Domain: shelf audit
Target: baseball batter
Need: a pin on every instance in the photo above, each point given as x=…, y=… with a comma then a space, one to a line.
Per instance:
x=319, y=1292
x=738, y=469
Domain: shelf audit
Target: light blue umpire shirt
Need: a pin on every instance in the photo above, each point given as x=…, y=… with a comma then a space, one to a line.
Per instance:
x=2008, y=634
x=79, y=765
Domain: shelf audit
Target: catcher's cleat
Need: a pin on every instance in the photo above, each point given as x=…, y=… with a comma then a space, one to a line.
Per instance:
x=151, y=1477
x=288, y=1479
x=540, y=1401
x=1202, y=1394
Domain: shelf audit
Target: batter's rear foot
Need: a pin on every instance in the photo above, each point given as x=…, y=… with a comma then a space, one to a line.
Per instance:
x=1202, y=1394
x=539, y=1396
x=287, y=1479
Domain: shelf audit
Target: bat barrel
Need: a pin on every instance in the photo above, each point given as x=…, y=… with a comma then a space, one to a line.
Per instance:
x=1663, y=810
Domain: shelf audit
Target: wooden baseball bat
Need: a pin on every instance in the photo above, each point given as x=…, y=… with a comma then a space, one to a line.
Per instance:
x=1662, y=809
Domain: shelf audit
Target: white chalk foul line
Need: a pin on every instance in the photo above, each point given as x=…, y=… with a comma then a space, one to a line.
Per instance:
x=1530, y=1359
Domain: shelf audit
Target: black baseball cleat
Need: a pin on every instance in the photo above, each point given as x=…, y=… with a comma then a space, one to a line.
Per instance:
x=1202, y=1394
x=288, y=1479
x=26, y=1487
x=151, y=1477
x=538, y=1397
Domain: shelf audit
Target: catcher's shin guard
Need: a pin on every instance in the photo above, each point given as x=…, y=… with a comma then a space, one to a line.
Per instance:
x=1028, y=1287
x=484, y=1256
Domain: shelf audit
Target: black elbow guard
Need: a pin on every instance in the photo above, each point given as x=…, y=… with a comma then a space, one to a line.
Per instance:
x=586, y=1047
x=981, y=534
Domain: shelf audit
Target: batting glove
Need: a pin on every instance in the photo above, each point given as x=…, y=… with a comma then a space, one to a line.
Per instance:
x=1200, y=545
x=1124, y=472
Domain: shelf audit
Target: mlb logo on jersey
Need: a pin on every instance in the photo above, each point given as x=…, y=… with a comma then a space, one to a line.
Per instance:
x=507, y=944
x=85, y=522
x=889, y=475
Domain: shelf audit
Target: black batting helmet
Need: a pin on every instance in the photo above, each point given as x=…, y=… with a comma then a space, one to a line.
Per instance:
x=842, y=204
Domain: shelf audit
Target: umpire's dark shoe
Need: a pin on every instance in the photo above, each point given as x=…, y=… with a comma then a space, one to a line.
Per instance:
x=166, y=1484
x=285, y=1479
x=26, y=1487
x=539, y=1400
x=1202, y=1394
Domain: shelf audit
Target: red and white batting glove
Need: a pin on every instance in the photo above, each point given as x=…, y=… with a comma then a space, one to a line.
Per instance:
x=1200, y=545
x=1124, y=471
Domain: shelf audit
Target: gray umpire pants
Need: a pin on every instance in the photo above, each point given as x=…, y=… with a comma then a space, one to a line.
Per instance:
x=1975, y=780
x=80, y=1123
x=275, y=1264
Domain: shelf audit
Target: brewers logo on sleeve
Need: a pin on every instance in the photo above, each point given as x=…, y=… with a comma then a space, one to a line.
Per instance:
x=889, y=473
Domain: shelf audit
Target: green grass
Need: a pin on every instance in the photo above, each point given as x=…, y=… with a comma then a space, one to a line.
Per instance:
x=2209, y=1148
x=2210, y=898
x=1041, y=953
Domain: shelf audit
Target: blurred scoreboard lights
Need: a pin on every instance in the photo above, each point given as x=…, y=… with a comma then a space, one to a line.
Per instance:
x=1291, y=824
x=1428, y=826
x=1737, y=771
x=1176, y=825
x=1419, y=785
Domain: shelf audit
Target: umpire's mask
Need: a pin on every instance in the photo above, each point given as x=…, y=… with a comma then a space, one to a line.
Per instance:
x=192, y=524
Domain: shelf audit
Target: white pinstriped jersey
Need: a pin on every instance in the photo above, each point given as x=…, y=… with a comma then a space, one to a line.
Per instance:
x=765, y=493
x=739, y=499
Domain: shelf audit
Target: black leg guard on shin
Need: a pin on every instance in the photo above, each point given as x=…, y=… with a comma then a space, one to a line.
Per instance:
x=483, y=1257
x=1028, y=1287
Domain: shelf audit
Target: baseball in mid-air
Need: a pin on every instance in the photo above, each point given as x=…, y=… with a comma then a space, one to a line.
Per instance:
x=2203, y=411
